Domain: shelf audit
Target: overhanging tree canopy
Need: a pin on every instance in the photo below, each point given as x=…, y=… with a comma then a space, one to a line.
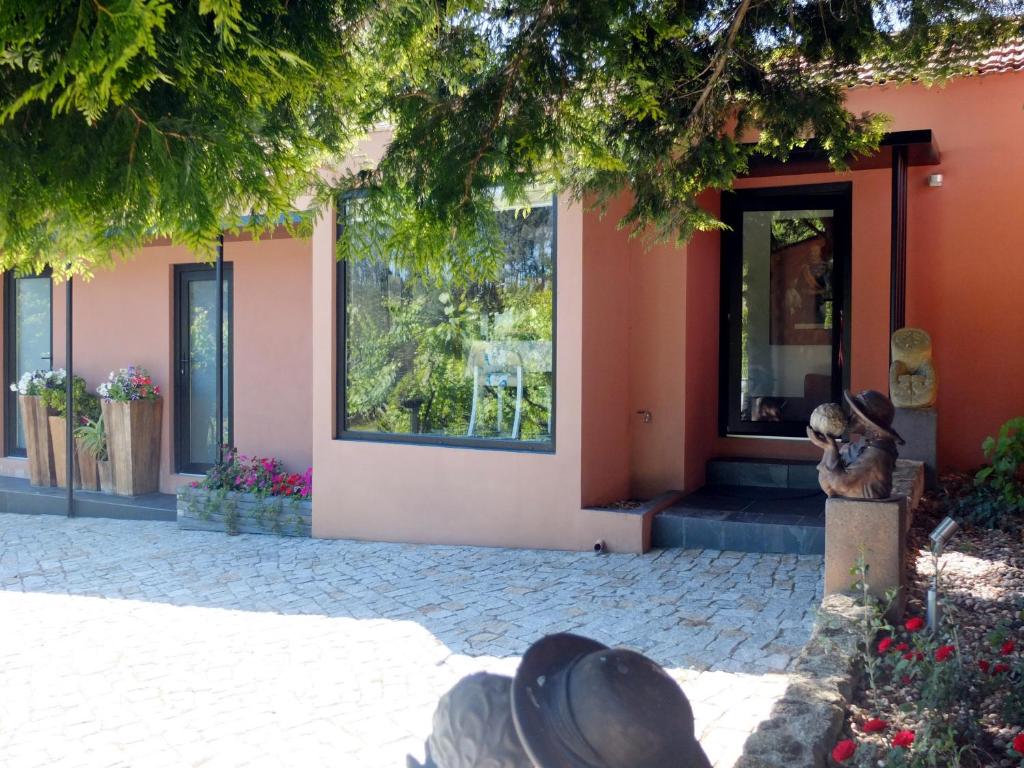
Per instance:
x=132, y=119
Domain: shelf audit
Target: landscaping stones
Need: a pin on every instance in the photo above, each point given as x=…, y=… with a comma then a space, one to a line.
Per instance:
x=141, y=644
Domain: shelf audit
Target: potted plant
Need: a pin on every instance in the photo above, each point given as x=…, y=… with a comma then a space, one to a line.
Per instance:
x=248, y=494
x=86, y=408
x=32, y=405
x=132, y=412
x=91, y=442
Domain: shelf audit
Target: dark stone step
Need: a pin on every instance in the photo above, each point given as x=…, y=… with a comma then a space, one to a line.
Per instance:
x=744, y=518
x=763, y=473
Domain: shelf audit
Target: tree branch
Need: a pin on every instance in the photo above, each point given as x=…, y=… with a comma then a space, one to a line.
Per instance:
x=720, y=61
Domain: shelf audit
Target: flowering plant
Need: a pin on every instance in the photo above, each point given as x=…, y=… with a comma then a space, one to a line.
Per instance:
x=127, y=384
x=256, y=475
x=34, y=382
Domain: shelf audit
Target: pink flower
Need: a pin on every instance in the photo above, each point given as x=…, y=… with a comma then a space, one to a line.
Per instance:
x=874, y=725
x=903, y=739
x=1018, y=743
x=844, y=750
x=914, y=624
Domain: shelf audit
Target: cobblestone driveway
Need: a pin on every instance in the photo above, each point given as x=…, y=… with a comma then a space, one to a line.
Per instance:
x=136, y=644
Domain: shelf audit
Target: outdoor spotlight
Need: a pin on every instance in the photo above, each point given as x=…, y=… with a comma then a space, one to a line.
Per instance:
x=935, y=180
x=943, y=532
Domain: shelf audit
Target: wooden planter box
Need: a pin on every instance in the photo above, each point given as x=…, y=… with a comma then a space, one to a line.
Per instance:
x=58, y=437
x=133, y=443
x=105, y=471
x=34, y=417
x=88, y=467
x=203, y=510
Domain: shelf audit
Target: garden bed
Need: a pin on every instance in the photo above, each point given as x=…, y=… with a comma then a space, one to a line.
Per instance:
x=200, y=509
x=955, y=699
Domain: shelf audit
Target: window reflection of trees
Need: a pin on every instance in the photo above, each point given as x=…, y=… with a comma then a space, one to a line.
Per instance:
x=409, y=341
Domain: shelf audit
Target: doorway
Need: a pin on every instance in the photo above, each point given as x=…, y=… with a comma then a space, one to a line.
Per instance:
x=196, y=432
x=785, y=306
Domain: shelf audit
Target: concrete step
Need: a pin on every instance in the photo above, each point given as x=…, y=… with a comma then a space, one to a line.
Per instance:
x=745, y=518
x=763, y=473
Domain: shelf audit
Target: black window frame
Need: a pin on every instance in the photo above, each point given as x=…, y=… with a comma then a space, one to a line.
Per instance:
x=181, y=335
x=341, y=431
x=10, y=359
x=835, y=195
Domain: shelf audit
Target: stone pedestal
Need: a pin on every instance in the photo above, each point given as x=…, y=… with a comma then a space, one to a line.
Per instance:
x=878, y=527
x=919, y=427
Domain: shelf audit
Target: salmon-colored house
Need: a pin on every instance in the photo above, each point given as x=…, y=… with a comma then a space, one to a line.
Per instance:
x=520, y=411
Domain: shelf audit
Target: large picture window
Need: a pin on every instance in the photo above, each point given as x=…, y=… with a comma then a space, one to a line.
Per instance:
x=437, y=359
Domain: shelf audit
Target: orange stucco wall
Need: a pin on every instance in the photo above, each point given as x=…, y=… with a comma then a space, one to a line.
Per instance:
x=124, y=316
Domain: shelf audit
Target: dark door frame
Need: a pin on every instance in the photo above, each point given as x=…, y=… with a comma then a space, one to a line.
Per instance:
x=837, y=196
x=183, y=275
x=11, y=447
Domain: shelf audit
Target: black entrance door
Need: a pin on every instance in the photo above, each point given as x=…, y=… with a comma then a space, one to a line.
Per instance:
x=785, y=300
x=196, y=432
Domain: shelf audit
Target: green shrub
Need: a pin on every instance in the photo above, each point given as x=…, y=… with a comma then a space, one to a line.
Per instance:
x=997, y=496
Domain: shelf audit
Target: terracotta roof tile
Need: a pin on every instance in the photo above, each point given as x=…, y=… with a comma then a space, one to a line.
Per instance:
x=1008, y=57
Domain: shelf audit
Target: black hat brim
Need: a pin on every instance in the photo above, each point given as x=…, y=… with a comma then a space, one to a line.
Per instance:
x=860, y=414
x=534, y=699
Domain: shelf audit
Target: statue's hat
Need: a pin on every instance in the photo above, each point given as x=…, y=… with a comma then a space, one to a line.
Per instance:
x=874, y=408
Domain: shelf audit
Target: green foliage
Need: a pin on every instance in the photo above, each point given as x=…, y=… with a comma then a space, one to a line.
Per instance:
x=997, y=496
x=127, y=120
x=93, y=437
x=87, y=405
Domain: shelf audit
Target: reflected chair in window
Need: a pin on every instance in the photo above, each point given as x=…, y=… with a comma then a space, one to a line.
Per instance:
x=494, y=364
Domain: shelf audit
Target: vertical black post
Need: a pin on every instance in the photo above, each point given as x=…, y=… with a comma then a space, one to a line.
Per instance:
x=219, y=309
x=898, y=244
x=69, y=420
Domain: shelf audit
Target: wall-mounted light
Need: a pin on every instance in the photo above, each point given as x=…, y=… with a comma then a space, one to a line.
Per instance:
x=934, y=179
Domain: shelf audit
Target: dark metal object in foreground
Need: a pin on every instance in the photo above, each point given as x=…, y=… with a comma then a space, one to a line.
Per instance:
x=69, y=388
x=574, y=703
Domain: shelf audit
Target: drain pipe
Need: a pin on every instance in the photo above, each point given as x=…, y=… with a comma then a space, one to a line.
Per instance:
x=219, y=367
x=69, y=420
x=599, y=547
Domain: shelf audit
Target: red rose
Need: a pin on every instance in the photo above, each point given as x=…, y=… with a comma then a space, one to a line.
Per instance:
x=874, y=725
x=999, y=668
x=983, y=666
x=1018, y=743
x=883, y=644
x=1007, y=648
x=906, y=680
x=914, y=656
x=903, y=739
x=914, y=624
x=943, y=652
x=844, y=750
x=901, y=647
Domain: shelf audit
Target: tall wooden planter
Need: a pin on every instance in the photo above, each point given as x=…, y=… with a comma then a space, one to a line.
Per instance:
x=87, y=466
x=133, y=442
x=58, y=437
x=37, y=440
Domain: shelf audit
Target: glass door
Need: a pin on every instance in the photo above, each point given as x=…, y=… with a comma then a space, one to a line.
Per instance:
x=785, y=290
x=195, y=413
x=28, y=343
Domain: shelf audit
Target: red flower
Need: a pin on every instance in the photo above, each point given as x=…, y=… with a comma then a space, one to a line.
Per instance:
x=914, y=656
x=943, y=652
x=1018, y=743
x=906, y=680
x=844, y=750
x=883, y=644
x=902, y=647
x=914, y=624
x=999, y=668
x=903, y=739
x=874, y=725
x=983, y=666
x=1007, y=648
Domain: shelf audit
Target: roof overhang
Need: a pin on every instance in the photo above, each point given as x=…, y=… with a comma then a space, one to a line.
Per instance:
x=811, y=158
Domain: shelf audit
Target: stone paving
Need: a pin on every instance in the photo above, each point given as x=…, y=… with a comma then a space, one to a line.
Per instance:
x=134, y=644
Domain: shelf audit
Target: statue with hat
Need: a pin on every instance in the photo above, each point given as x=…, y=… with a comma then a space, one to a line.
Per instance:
x=861, y=468
x=574, y=703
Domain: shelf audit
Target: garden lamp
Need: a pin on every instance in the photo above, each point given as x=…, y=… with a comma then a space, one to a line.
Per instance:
x=939, y=537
